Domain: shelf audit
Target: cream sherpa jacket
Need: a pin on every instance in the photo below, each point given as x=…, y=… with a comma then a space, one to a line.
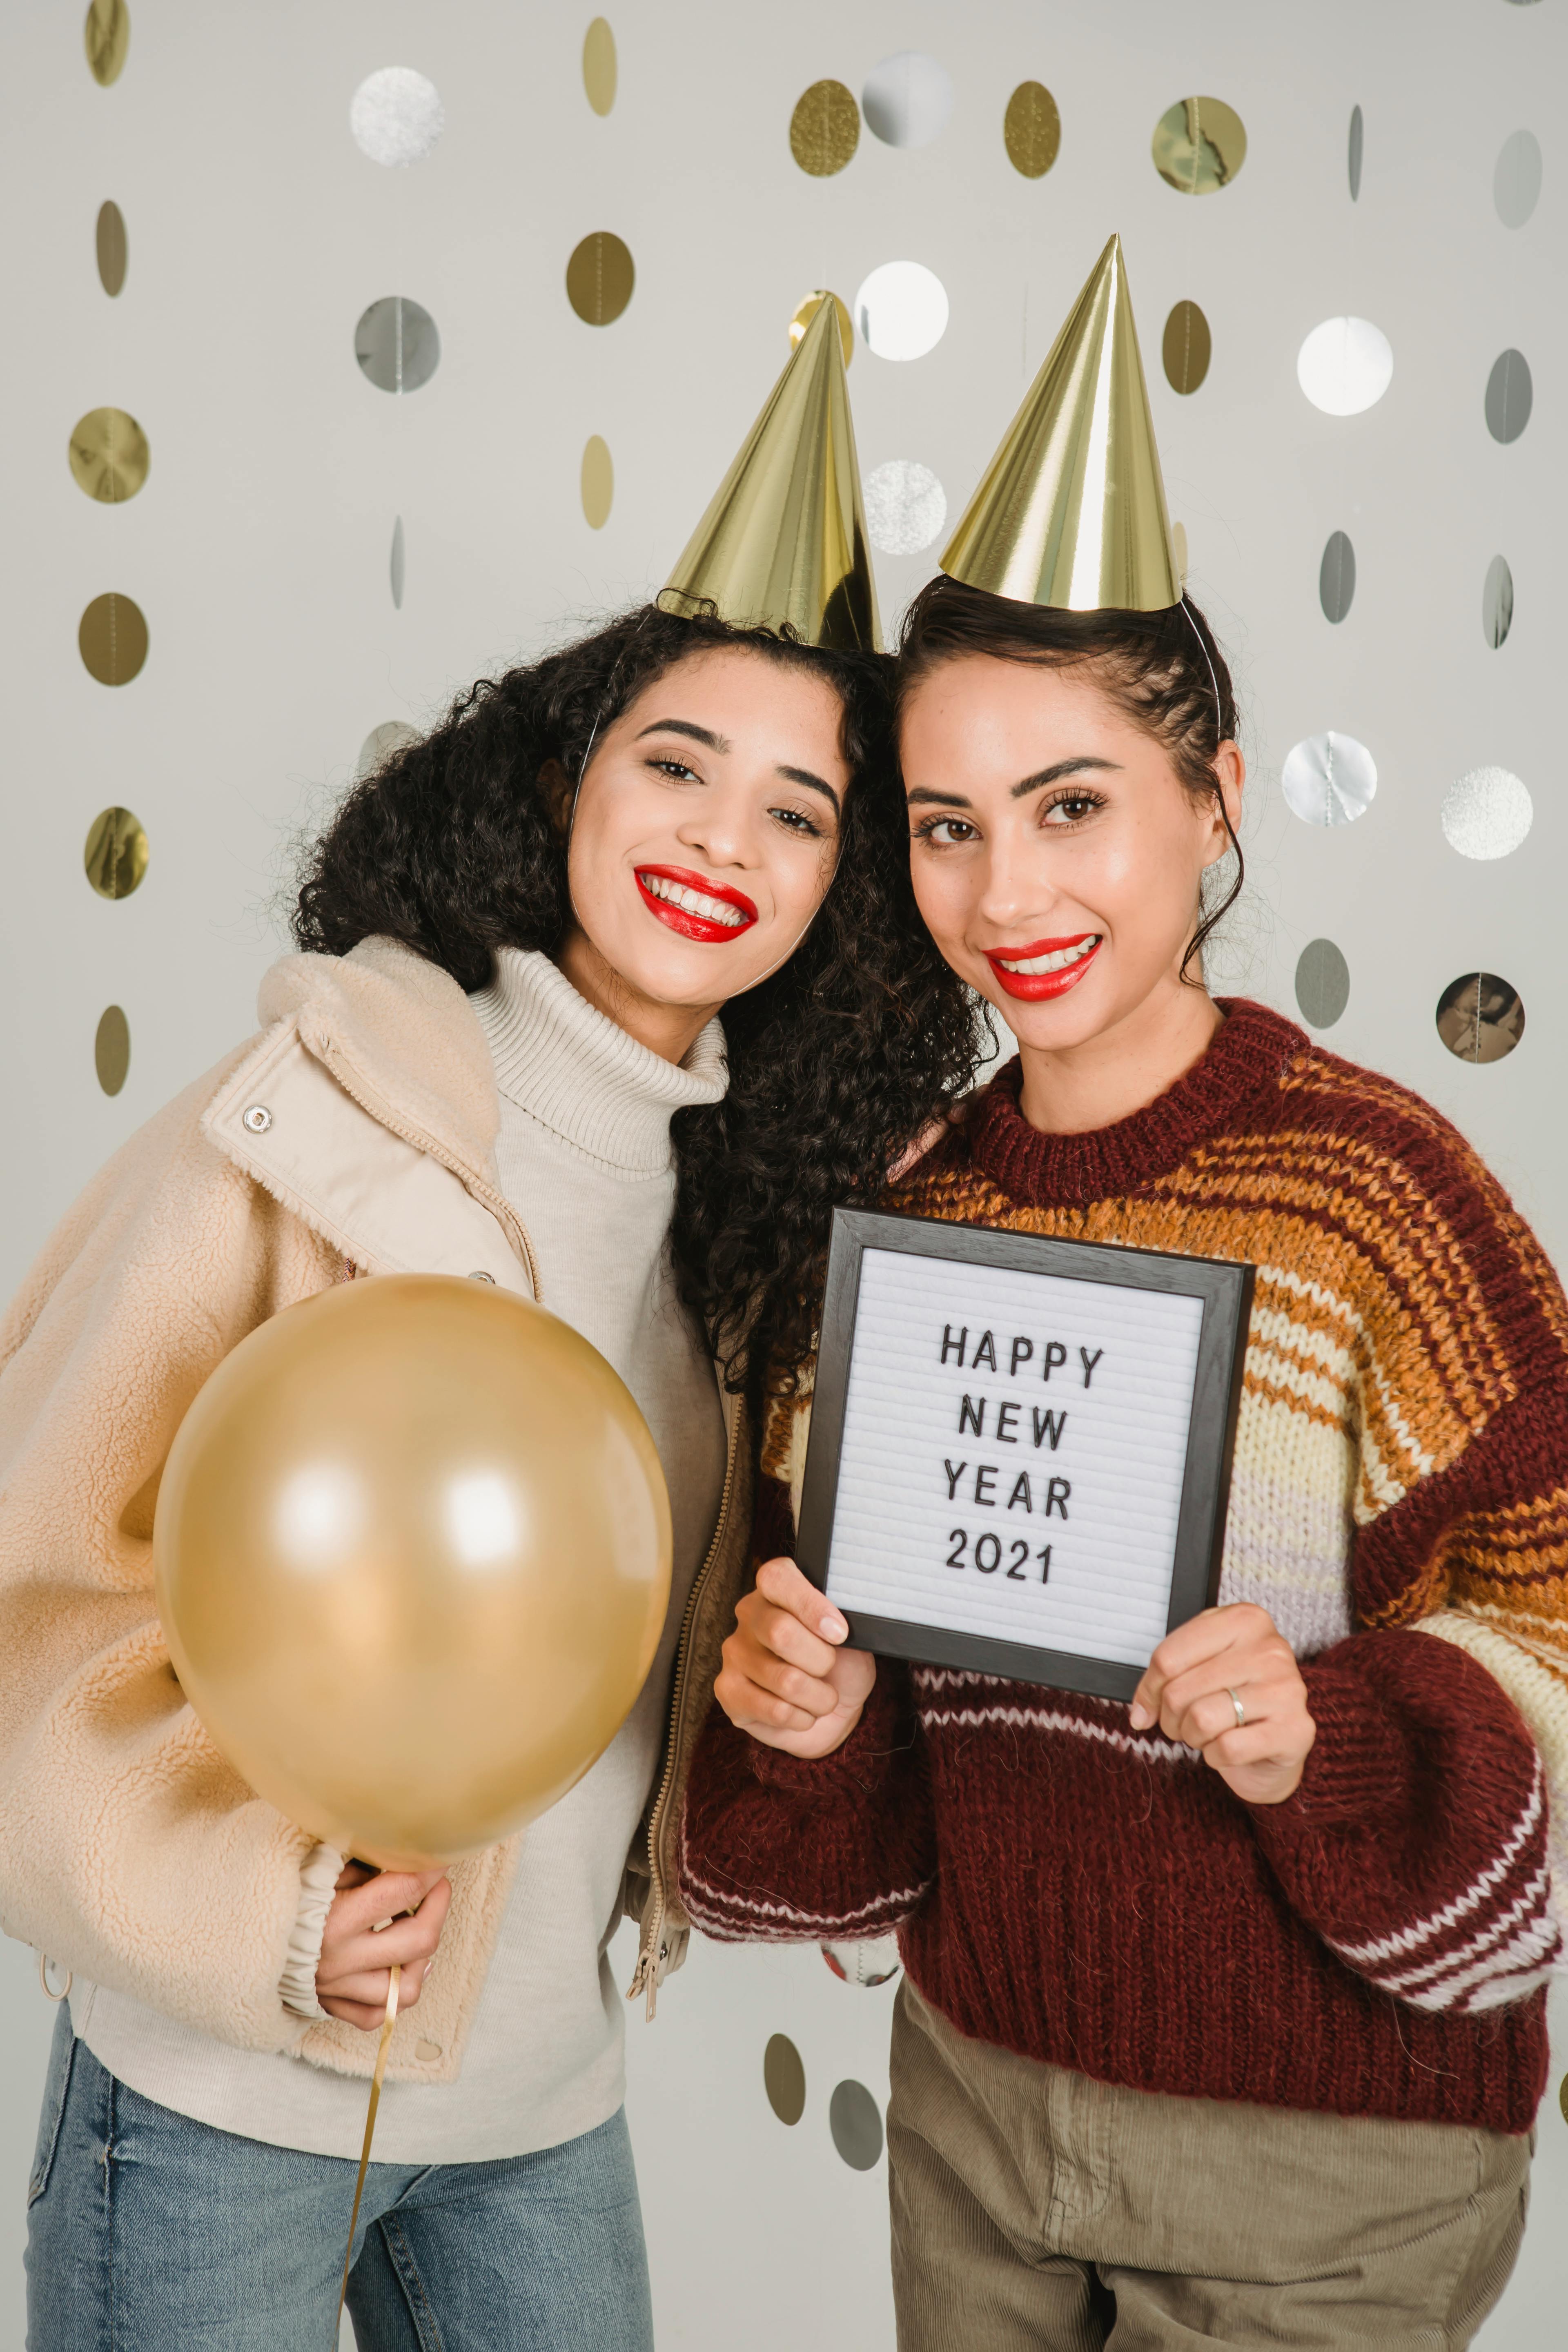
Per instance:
x=356, y=1133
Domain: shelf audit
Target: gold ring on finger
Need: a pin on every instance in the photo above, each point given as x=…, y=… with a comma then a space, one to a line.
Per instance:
x=1240, y=1710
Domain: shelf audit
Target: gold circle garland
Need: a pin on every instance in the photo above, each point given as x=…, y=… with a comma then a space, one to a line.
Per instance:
x=112, y=1050
x=106, y=35
x=115, y=856
x=112, y=247
x=825, y=129
x=1199, y=145
x=1187, y=348
x=112, y=637
x=109, y=455
x=599, y=65
x=1032, y=130
x=600, y=278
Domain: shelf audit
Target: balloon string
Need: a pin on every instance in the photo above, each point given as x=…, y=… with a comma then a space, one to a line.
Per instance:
x=390, y=2021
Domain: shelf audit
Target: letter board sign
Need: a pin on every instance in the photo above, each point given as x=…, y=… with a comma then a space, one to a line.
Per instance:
x=1020, y=1447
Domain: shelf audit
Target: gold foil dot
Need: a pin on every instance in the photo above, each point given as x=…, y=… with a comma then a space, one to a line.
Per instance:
x=1187, y=348
x=113, y=639
x=1199, y=145
x=112, y=249
x=599, y=277
x=825, y=129
x=115, y=857
x=598, y=482
x=783, y=2079
x=109, y=455
x=599, y=65
x=805, y=312
x=1032, y=130
x=107, y=35
x=112, y=1050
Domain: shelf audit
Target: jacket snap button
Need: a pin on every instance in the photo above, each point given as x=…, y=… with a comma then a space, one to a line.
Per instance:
x=483, y=1277
x=428, y=2051
x=257, y=1117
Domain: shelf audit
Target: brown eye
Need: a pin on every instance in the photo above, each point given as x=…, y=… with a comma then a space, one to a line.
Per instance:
x=1073, y=807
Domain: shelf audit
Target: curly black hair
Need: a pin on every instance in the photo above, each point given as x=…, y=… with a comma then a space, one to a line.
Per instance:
x=837, y=1060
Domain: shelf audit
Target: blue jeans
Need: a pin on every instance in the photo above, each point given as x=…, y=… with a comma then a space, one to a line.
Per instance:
x=150, y=2232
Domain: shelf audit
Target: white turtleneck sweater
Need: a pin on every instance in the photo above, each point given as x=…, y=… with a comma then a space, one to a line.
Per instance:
x=584, y=1156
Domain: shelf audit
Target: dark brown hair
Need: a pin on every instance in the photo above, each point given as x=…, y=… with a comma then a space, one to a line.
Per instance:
x=1164, y=671
x=837, y=1060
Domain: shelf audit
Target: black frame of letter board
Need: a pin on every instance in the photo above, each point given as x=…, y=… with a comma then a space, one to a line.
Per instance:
x=1224, y=1285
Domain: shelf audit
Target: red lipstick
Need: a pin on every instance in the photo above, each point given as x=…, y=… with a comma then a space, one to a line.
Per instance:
x=1076, y=956
x=711, y=930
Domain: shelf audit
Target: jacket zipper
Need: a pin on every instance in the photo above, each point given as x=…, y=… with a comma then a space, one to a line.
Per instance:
x=651, y=1951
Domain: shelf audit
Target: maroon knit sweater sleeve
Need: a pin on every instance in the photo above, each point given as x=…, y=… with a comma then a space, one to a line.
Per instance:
x=1416, y=1845
x=783, y=1849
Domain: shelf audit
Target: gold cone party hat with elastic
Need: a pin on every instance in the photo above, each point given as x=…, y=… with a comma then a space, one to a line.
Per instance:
x=784, y=541
x=1071, y=510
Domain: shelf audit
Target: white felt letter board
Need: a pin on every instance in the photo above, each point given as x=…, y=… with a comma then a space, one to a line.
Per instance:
x=1020, y=1447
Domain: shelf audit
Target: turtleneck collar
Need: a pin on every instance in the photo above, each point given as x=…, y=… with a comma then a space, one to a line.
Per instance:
x=569, y=1067
x=1243, y=1059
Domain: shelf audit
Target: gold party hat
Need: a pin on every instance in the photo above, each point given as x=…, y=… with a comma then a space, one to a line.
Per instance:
x=1071, y=510
x=784, y=541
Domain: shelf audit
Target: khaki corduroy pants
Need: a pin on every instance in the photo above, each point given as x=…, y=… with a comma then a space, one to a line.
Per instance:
x=1036, y=2211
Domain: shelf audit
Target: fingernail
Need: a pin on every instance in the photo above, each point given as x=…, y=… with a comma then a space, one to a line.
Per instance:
x=1140, y=1716
x=833, y=1629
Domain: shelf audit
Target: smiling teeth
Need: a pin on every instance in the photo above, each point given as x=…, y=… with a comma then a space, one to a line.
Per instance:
x=1057, y=960
x=693, y=902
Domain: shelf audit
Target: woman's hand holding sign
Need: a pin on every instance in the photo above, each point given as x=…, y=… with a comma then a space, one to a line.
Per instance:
x=785, y=1678
x=1227, y=1683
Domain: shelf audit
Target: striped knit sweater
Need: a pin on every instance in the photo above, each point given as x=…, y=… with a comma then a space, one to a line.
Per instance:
x=1099, y=1898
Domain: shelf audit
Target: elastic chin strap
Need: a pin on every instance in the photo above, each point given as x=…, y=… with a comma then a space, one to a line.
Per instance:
x=1208, y=664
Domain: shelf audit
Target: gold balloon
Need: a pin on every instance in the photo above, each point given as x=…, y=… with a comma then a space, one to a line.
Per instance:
x=413, y=1556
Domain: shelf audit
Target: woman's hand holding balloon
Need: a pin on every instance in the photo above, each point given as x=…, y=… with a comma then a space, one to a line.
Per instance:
x=785, y=1680
x=358, y=1953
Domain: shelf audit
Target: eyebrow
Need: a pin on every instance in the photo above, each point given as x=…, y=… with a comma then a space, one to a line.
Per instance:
x=1054, y=774
x=813, y=784
x=721, y=744
x=685, y=726
x=1080, y=765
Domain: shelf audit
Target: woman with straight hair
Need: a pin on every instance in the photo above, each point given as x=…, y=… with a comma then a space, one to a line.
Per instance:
x=1223, y=2012
x=609, y=990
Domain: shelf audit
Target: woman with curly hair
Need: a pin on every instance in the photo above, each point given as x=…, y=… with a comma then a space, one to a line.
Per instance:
x=500, y=1053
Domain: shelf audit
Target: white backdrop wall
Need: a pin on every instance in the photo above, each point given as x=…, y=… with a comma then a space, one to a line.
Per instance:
x=258, y=551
